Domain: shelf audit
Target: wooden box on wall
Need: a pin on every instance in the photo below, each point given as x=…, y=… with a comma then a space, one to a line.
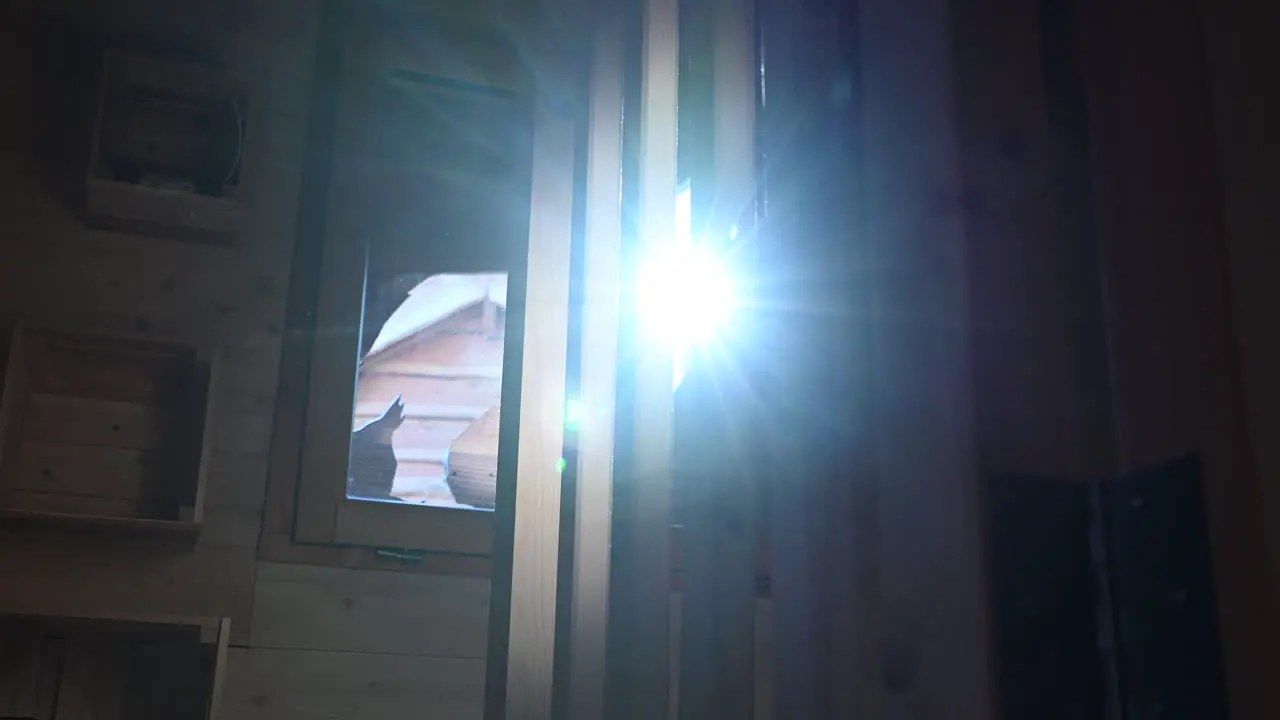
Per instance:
x=111, y=668
x=104, y=431
x=167, y=148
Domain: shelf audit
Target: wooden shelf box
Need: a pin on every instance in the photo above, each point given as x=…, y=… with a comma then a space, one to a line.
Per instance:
x=167, y=148
x=104, y=431
x=141, y=668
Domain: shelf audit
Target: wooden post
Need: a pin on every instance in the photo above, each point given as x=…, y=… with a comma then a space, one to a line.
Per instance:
x=931, y=601
x=601, y=274
x=718, y=478
x=640, y=599
x=526, y=543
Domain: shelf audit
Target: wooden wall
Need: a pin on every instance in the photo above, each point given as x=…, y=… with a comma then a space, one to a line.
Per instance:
x=1243, y=63
x=308, y=640
x=1117, y=324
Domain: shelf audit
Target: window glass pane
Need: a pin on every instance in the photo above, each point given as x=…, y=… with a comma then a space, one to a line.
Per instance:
x=425, y=425
x=443, y=172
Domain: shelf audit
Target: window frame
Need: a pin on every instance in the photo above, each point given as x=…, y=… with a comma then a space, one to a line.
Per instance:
x=323, y=513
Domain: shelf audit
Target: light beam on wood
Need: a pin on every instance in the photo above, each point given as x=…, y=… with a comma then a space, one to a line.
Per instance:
x=720, y=549
x=588, y=624
x=639, y=652
x=522, y=620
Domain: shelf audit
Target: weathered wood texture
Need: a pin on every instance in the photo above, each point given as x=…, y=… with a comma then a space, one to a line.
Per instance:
x=933, y=653
x=1242, y=65
x=1175, y=353
x=1042, y=395
x=57, y=274
x=106, y=428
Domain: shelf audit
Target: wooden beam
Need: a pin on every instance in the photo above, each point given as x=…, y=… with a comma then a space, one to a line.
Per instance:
x=589, y=589
x=522, y=624
x=716, y=404
x=931, y=603
x=1175, y=352
x=821, y=485
x=639, y=642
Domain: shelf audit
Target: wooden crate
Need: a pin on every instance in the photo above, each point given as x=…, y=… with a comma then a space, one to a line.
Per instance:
x=104, y=431
x=111, y=667
x=160, y=119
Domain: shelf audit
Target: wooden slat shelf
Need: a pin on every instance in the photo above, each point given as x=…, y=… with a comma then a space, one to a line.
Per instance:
x=114, y=525
x=115, y=665
x=158, y=212
x=167, y=151
x=104, y=434
x=206, y=629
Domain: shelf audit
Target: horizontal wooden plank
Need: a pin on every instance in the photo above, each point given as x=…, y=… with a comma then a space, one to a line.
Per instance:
x=335, y=609
x=421, y=455
x=95, y=520
x=415, y=433
x=74, y=574
x=32, y=501
x=380, y=389
x=275, y=684
x=87, y=421
x=432, y=411
x=417, y=483
x=276, y=546
x=203, y=628
x=106, y=368
x=111, y=282
x=462, y=347
x=83, y=470
x=393, y=524
x=409, y=368
x=416, y=477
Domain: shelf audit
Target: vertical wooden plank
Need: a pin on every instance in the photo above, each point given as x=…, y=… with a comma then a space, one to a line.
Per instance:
x=30, y=663
x=93, y=678
x=209, y=369
x=1240, y=39
x=589, y=601
x=1174, y=349
x=219, y=670
x=792, y=43
x=13, y=402
x=639, y=652
x=527, y=521
x=765, y=691
x=304, y=286
x=719, y=542
x=932, y=609
x=817, y=283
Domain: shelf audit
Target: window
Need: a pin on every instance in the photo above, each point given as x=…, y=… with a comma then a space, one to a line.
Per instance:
x=429, y=391
x=432, y=252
